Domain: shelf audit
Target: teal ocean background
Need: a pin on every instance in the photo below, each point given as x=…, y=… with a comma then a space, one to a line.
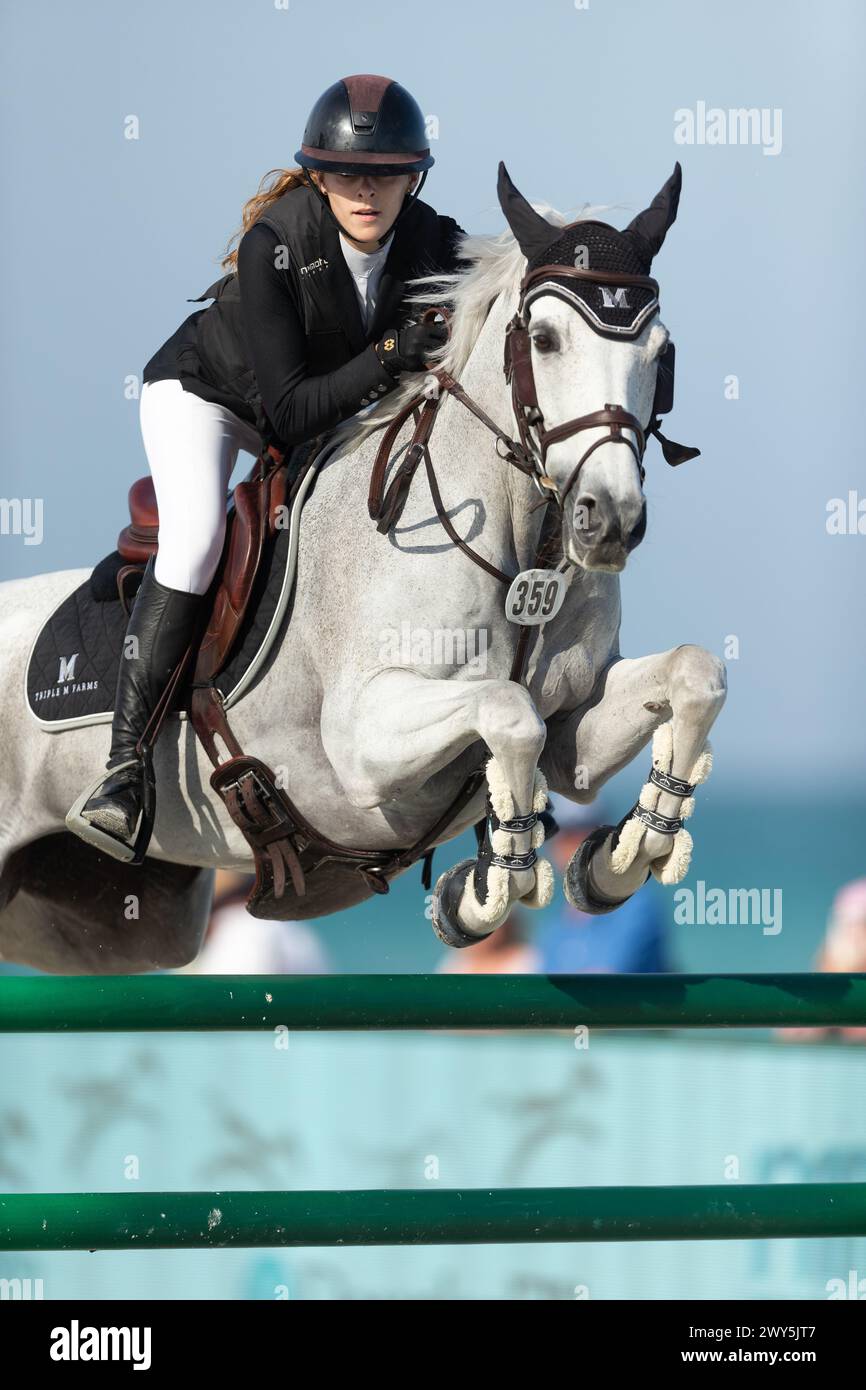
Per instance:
x=806, y=849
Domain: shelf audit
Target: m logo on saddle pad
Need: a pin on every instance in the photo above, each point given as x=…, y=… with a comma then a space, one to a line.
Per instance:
x=90, y=623
x=65, y=685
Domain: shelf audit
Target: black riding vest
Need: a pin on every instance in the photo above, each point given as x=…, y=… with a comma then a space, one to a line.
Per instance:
x=209, y=354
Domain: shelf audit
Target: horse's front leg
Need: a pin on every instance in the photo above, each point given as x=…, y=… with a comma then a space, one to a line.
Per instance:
x=674, y=698
x=390, y=736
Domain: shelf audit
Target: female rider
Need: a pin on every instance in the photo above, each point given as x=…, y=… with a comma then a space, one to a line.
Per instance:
x=306, y=329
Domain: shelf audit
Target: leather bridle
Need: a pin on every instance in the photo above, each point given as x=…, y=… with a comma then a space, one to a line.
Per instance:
x=528, y=454
x=524, y=397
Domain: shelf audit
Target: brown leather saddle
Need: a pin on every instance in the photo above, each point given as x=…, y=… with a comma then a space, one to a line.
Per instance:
x=258, y=504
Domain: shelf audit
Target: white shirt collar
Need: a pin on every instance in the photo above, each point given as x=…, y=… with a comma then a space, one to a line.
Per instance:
x=363, y=263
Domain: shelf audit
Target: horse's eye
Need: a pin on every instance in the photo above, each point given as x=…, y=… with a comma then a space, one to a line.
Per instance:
x=542, y=342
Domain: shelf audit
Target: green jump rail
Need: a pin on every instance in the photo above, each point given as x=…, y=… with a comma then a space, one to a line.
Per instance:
x=176, y=1003
x=456, y=1216
x=198, y=1220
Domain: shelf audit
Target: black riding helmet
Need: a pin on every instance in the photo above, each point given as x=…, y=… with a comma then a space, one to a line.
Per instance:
x=366, y=124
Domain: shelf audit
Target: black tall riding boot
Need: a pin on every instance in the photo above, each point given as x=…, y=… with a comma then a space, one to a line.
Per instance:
x=162, y=622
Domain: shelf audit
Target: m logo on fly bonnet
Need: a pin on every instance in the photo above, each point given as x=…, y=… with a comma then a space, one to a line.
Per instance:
x=614, y=299
x=613, y=310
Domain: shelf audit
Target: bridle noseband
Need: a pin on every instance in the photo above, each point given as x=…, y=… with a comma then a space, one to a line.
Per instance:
x=517, y=366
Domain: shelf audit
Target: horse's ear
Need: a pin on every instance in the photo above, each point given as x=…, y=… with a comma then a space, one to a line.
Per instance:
x=532, y=231
x=649, y=229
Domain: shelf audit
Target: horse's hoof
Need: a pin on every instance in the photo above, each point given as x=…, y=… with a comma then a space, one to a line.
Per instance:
x=575, y=883
x=446, y=901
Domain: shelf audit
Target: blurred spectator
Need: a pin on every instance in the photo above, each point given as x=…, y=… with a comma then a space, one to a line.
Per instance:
x=238, y=944
x=506, y=951
x=843, y=949
x=631, y=939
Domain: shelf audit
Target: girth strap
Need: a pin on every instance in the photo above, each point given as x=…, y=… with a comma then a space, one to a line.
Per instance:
x=278, y=833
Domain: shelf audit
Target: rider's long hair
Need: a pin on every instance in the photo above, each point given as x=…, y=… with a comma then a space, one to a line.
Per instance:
x=274, y=184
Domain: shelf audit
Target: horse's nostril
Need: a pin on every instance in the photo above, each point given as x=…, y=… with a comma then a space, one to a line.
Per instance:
x=638, y=531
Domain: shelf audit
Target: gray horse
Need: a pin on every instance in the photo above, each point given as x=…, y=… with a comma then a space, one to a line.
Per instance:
x=374, y=722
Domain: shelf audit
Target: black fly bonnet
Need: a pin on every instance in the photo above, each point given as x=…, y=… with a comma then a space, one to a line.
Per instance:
x=604, y=275
x=613, y=311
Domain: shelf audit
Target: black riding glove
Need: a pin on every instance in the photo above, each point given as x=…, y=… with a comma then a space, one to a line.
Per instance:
x=403, y=350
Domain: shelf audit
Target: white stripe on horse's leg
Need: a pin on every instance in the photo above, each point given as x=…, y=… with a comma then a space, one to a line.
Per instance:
x=583, y=751
x=673, y=867
x=695, y=694
x=533, y=887
x=673, y=864
x=517, y=788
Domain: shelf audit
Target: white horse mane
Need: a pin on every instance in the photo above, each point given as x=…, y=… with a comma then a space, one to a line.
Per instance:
x=497, y=266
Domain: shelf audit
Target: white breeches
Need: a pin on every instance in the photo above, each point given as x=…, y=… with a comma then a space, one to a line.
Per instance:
x=192, y=447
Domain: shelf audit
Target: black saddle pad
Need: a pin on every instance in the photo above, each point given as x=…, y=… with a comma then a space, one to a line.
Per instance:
x=73, y=666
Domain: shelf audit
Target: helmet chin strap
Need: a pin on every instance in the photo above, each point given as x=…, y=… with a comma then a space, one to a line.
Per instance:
x=408, y=201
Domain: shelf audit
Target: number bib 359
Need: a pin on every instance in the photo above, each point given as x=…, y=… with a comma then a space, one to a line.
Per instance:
x=535, y=597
